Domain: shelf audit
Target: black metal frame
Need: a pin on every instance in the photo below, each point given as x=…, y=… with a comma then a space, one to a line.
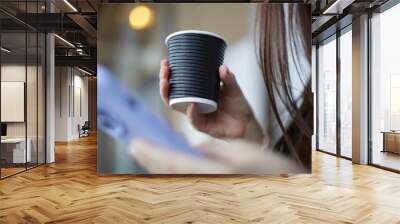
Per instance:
x=44, y=77
x=338, y=97
x=369, y=90
x=336, y=38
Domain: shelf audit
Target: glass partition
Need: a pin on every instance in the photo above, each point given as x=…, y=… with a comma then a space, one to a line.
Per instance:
x=385, y=89
x=41, y=88
x=22, y=90
x=31, y=99
x=346, y=93
x=327, y=96
x=13, y=105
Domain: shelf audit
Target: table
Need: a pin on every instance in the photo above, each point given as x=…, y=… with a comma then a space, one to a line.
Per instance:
x=391, y=141
x=16, y=147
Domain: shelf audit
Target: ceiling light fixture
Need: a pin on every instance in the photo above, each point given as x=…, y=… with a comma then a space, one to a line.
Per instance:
x=79, y=51
x=64, y=40
x=70, y=5
x=5, y=50
x=337, y=7
x=84, y=71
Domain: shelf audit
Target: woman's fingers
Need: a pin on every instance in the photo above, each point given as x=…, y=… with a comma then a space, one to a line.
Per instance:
x=160, y=160
x=226, y=158
x=247, y=157
x=230, y=86
x=232, y=152
x=164, y=68
x=198, y=120
x=164, y=83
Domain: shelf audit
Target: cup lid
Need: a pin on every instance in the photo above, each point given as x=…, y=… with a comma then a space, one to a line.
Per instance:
x=194, y=32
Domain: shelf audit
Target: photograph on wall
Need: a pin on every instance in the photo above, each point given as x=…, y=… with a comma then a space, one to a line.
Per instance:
x=222, y=88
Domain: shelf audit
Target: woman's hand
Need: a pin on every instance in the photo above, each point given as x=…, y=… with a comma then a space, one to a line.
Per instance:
x=236, y=157
x=233, y=118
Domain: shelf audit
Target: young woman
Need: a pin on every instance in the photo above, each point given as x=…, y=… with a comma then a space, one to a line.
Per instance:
x=284, y=37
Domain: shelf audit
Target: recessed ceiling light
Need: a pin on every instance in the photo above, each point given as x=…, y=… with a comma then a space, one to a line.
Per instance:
x=337, y=7
x=70, y=5
x=64, y=40
x=5, y=50
x=84, y=71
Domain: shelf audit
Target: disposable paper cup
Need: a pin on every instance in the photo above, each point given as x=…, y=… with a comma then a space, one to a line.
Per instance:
x=194, y=59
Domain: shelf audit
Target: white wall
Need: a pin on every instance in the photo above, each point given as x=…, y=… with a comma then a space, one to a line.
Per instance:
x=34, y=125
x=71, y=102
x=13, y=73
x=81, y=100
x=62, y=81
x=16, y=73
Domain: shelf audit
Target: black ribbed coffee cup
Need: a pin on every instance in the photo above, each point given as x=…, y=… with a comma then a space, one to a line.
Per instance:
x=194, y=59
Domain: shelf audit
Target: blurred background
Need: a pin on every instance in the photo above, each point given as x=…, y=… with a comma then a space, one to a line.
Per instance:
x=131, y=44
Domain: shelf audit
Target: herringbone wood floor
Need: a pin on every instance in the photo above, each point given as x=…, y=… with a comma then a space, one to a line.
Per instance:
x=70, y=191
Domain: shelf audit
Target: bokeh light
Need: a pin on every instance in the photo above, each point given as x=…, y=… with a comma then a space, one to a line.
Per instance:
x=141, y=17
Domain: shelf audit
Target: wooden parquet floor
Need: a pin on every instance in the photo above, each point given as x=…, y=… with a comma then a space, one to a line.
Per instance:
x=70, y=191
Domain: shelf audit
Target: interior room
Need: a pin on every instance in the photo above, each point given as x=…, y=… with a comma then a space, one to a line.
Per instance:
x=49, y=173
x=22, y=102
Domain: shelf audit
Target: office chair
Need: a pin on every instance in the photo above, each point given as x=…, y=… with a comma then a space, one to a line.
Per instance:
x=84, y=130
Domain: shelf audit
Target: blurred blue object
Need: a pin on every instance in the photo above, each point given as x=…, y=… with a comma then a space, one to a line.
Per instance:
x=123, y=116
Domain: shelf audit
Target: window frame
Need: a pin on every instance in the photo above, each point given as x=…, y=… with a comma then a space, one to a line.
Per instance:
x=378, y=10
x=333, y=37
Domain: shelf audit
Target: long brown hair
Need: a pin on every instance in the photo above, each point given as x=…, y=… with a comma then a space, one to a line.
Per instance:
x=285, y=36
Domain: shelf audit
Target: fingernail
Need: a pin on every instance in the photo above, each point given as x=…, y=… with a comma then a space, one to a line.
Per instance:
x=224, y=68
